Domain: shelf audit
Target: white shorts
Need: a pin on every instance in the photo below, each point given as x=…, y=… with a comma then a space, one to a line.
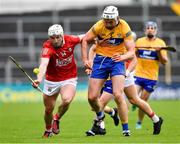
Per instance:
x=129, y=80
x=51, y=87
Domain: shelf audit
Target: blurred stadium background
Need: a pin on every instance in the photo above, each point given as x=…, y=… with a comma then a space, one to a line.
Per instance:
x=24, y=24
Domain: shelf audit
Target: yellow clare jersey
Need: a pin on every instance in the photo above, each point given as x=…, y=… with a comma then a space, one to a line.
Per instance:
x=148, y=61
x=176, y=8
x=111, y=41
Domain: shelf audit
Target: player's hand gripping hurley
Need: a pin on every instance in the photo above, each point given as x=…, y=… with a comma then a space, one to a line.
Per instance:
x=25, y=73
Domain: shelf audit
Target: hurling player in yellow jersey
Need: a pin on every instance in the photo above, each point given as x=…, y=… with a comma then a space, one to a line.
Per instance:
x=115, y=46
x=147, y=69
x=129, y=90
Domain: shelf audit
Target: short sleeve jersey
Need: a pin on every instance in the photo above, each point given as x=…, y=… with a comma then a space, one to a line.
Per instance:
x=148, y=61
x=113, y=39
x=61, y=65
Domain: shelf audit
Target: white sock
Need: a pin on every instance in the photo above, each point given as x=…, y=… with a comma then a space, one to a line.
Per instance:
x=112, y=113
x=155, y=118
x=49, y=130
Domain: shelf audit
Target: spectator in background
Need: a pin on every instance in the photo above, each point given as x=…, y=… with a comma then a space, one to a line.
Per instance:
x=115, y=45
x=58, y=66
x=149, y=56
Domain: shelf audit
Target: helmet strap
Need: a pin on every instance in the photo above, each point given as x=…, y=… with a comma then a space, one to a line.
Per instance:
x=117, y=20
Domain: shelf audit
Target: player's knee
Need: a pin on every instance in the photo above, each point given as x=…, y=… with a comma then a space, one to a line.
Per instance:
x=117, y=94
x=102, y=105
x=145, y=98
x=120, y=100
x=133, y=101
x=66, y=102
x=92, y=98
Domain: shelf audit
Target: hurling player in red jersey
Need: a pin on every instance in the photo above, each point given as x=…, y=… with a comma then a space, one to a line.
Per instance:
x=59, y=68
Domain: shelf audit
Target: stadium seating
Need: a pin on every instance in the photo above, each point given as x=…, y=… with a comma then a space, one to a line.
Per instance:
x=160, y=11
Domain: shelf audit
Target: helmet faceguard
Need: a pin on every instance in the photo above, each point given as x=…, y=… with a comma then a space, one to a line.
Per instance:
x=151, y=25
x=110, y=12
x=56, y=30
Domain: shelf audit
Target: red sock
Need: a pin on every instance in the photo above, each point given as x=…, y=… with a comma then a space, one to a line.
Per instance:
x=56, y=116
x=48, y=127
x=152, y=114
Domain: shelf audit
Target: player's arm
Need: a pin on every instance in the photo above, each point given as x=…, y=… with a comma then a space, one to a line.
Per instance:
x=128, y=43
x=131, y=66
x=92, y=53
x=162, y=54
x=91, y=56
x=84, y=47
x=130, y=54
x=163, y=58
x=130, y=47
x=81, y=36
x=42, y=70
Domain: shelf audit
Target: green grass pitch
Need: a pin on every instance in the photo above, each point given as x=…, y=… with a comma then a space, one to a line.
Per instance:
x=23, y=123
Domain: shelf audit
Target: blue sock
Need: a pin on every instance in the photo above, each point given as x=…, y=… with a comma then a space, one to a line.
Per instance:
x=139, y=122
x=100, y=114
x=110, y=113
x=125, y=127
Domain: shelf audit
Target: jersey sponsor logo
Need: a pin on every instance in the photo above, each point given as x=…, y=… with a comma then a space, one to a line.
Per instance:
x=148, y=54
x=115, y=41
x=111, y=42
x=64, y=62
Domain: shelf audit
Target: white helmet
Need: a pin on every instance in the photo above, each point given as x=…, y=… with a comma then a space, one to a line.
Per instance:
x=110, y=12
x=55, y=29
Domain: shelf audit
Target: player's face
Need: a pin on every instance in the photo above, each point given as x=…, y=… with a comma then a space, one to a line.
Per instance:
x=150, y=31
x=56, y=40
x=109, y=23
